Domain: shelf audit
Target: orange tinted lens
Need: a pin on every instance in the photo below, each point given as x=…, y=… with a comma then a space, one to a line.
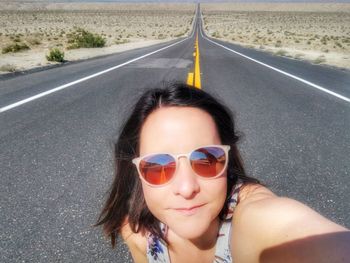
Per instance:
x=157, y=169
x=208, y=161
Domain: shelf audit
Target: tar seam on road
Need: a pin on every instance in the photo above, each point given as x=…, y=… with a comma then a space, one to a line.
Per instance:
x=16, y=104
x=280, y=71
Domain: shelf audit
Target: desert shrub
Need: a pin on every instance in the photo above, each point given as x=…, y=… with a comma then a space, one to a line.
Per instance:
x=278, y=43
x=16, y=47
x=8, y=68
x=216, y=34
x=281, y=52
x=121, y=41
x=161, y=36
x=56, y=55
x=85, y=39
x=319, y=60
x=338, y=44
x=33, y=41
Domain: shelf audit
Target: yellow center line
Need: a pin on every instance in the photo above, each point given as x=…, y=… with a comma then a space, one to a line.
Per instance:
x=194, y=78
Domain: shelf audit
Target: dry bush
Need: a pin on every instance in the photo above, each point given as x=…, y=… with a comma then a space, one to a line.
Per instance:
x=81, y=38
x=33, y=41
x=15, y=47
x=55, y=55
x=8, y=68
x=319, y=60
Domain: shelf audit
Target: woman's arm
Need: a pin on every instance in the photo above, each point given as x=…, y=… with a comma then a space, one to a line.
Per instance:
x=278, y=229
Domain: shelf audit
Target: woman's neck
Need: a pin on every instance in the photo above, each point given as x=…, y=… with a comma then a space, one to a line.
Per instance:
x=205, y=242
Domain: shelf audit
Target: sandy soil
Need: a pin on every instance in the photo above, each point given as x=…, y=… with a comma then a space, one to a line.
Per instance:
x=319, y=33
x=42, y=26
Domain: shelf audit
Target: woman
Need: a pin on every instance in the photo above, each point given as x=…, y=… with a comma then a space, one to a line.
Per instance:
x=181, y=194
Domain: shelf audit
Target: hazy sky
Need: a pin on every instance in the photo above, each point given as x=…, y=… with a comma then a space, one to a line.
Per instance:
x=323, y=1
x=207, y=1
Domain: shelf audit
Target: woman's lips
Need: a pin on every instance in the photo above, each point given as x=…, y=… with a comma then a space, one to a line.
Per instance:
x=188, y=210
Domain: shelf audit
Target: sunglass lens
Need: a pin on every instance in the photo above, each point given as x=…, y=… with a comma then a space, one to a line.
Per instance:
x=208, y=161
x=157, y=169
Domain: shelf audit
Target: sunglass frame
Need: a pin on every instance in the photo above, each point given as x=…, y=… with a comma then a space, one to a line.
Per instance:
x=225, y=148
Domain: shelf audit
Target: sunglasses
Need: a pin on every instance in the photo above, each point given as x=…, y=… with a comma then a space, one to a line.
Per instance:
x=207, y=162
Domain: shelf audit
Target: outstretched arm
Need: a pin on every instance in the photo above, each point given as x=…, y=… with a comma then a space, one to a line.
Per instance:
x=277, y=229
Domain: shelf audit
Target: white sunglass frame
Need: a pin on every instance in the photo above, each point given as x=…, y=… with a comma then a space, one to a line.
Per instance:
x=225, y=148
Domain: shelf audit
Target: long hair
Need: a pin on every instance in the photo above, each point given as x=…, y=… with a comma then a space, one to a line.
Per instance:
x=126, y=200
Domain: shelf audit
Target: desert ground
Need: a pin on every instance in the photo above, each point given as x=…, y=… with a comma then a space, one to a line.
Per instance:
x=42, y=26
x=316, y=32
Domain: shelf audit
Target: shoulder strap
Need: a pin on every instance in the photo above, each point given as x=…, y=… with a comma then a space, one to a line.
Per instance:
x=233, y=200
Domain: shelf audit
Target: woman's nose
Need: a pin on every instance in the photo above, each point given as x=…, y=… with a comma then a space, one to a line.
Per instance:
x=185, y=182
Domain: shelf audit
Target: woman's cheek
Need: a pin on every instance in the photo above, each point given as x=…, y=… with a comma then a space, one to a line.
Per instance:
x=155, y=200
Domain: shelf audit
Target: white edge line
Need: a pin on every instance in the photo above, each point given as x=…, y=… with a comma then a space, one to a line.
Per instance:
x=16, y=104
x=280, y=71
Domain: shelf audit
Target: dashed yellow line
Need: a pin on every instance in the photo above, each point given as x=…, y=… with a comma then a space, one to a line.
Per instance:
x=194, y=78
x=190, y=78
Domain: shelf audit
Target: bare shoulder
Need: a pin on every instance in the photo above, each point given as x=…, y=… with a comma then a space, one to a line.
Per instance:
x=253, y=192
x=263, y=220
x=136, y=243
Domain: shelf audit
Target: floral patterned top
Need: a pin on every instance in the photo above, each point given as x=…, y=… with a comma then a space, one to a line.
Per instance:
x=157, y=250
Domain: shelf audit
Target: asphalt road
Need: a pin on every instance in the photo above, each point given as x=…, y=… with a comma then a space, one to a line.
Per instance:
x=56, y=160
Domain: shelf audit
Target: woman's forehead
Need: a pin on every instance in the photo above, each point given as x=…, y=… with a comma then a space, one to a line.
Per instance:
x=177, y=129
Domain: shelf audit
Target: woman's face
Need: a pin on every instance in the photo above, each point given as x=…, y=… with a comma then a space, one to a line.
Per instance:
x=178, y=130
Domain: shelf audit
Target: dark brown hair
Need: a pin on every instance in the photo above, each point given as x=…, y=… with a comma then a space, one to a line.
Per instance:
x=126, y=198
